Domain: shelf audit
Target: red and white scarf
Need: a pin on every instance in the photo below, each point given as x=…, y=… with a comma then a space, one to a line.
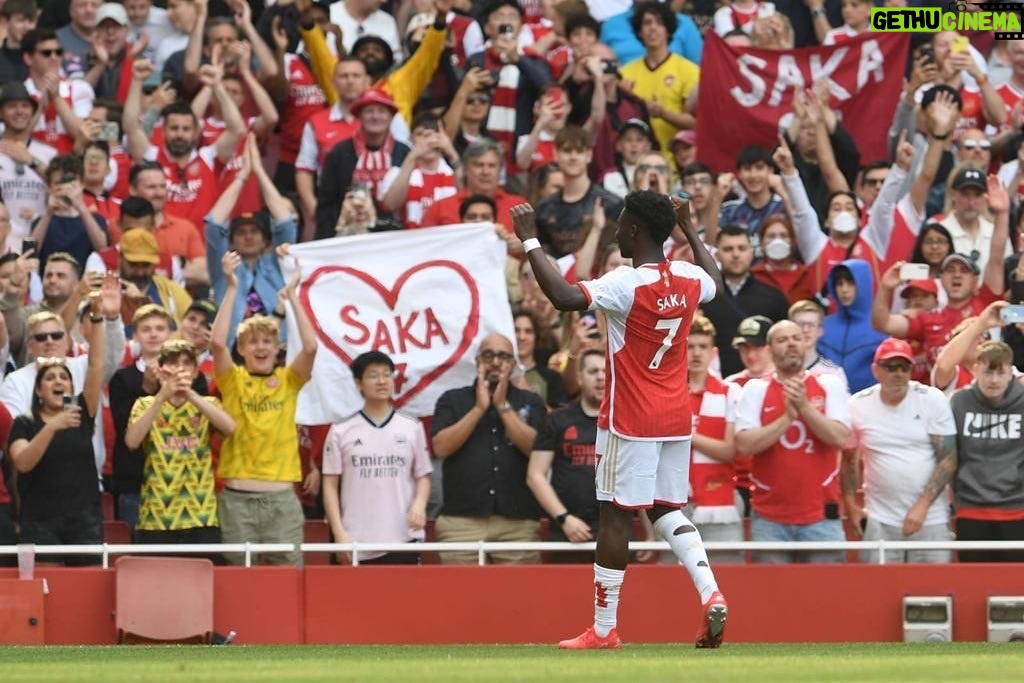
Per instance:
x=371, y=164
x=501, y=119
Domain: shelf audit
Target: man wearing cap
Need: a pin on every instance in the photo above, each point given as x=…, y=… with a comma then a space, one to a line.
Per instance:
x=192, y=179
x=139, y=256
x=684, y=149
x=109, y=61
x=959, y=277
x=195, y=328
x=634, y=141
x=66, y=101
x=361, y=161
x=23, y=162
x=793, y=423
x=972, y=233
x=904, y=433
x=358, y=18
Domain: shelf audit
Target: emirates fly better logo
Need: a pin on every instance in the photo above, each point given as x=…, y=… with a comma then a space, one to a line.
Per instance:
x=1004, y=19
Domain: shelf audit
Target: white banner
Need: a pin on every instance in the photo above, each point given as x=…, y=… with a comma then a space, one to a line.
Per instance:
x=424, y=297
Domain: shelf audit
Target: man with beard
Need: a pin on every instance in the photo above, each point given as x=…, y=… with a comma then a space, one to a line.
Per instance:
x=192, y=171
x=794, y=424
x=360, y=163
x=60, y=279
x=139, y=256
x=23, y=162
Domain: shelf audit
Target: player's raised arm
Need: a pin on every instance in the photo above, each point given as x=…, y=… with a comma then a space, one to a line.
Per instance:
x=700, y=253
x=564, y=296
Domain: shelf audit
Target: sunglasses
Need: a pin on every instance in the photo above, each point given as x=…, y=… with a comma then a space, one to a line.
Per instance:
x=503, y=356
x=53, y=336
x=478, y=99
x=895, y=366
x=52, y=52
x=874, y=182
x=975, y=144
x=660, y=168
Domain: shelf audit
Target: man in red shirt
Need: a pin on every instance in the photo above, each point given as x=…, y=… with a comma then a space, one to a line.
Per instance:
x=193, y=173
x=482, y=160
x=793, y=423
x=644, y=425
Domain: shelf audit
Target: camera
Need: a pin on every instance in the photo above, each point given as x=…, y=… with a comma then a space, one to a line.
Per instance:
x=108, y=132
x=611, y=68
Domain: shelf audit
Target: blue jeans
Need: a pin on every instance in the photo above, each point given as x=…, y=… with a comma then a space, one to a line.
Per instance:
x=765, y=531
x=128, y=509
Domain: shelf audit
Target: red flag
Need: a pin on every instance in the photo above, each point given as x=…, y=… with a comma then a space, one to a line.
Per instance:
x=746, y=92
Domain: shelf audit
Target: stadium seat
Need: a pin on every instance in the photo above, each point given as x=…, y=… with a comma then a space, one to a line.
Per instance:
x=116, y=533
x=163, y=600
x=107, y=504
x=316, y=531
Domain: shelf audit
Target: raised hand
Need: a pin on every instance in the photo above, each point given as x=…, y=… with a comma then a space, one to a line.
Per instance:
x=904, y=152
x=998, y=197
x=943, y=114
x=682, y=207
x=211, y=74
x=525, y=221
x=783, y=157
x=229, y=263
x=110, y=296
x=139, y=46
x=142, y=69
x=279, y=34
x=891, y=277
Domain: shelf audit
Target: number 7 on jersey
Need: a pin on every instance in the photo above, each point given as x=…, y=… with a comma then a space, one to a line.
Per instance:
x=672, y=325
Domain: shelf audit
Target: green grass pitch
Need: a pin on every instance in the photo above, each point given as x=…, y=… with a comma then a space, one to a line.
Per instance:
x=750, y=663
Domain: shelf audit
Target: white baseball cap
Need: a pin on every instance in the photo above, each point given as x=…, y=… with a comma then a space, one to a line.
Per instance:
x=112, y=11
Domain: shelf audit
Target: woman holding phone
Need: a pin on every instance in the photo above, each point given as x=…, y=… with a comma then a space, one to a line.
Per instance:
x=51, y=448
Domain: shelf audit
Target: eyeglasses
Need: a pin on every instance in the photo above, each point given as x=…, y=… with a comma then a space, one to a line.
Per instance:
x=895, y=366
x=807, y=324
x=696, y=181
x=51, y=52
x=53, y=336
x=378, y=376
x=478, y=99
x=874, y=182
x=660, y=168
x=503, y=356
x=976, y=144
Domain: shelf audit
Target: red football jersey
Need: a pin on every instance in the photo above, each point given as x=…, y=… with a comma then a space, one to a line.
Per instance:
x=649, y=310
x=193, y=189
x=305, y=98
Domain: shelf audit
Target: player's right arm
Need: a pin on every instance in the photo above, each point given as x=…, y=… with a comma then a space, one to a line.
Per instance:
x=564, y=296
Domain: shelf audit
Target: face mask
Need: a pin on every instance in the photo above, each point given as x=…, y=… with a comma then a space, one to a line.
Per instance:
x=777, y=249
x=844, y=222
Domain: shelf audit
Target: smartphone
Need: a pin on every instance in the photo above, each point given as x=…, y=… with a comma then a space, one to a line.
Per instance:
x=27, y=245
x=507, y=30
x=68, y=178
x=108, y=131
x=960, y=44
x=685, y=196
x=360, y=191
x=1013, y=314
x=69, y=401
x=914, y=271
x=928, y=53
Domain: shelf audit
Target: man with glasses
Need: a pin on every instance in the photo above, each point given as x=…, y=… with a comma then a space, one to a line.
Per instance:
x=701, y=183
x=972, y=232
x=484, y=433
x=975, y=149
x=869, y=183
x=66, y=102
x=904, y=433
x=809, y=316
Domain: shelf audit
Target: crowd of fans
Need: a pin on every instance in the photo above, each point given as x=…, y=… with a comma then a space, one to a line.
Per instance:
x=157, y=159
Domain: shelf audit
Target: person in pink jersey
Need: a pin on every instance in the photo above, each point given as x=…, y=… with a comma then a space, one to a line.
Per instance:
x=645, y=424
x=377, y=469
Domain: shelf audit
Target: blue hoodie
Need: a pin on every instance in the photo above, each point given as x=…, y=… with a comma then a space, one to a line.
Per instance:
x=848, y=338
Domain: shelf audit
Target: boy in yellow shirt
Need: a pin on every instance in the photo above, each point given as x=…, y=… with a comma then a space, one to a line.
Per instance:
x=260, y=460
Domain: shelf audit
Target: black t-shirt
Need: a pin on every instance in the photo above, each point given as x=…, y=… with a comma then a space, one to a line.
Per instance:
x=571, y=434
x=65, y=478
x=558, y=221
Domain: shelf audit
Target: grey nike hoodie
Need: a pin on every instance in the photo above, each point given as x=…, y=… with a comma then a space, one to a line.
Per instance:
x=990, y=449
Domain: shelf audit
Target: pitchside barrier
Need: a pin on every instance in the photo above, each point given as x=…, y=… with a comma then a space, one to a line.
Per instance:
x=482, y=548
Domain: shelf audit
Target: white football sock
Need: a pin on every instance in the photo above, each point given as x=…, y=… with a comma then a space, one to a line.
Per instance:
x=680, y=533
x=607, y=583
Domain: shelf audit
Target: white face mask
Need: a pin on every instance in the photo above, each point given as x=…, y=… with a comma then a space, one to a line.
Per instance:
x=777, y=249
x=844, y=222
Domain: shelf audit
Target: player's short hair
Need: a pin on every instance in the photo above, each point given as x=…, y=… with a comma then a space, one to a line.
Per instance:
x=662, y=11
x=257, y=324
x=702, y=325
x=654, y=212
x=572, y=139
x=365, y=360
x=65, y=257
x=173, y=349
x=806, y=306
x=993, y=355
x=152, y=311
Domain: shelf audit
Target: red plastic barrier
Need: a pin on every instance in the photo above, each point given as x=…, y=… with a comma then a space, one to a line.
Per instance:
x=436, y=604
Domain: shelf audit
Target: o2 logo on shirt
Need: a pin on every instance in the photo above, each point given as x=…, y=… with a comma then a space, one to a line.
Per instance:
x=795, y=438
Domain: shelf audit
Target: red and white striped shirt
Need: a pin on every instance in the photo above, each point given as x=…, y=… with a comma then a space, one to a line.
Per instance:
x=712, y=482
x=649, y=310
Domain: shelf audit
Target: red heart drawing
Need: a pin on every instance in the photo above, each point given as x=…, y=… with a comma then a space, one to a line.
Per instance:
x=390, y=298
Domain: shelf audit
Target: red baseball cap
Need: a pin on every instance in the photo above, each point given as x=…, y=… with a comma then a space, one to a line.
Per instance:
x=926, y=285
x=374, y=96
x=894, y=348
